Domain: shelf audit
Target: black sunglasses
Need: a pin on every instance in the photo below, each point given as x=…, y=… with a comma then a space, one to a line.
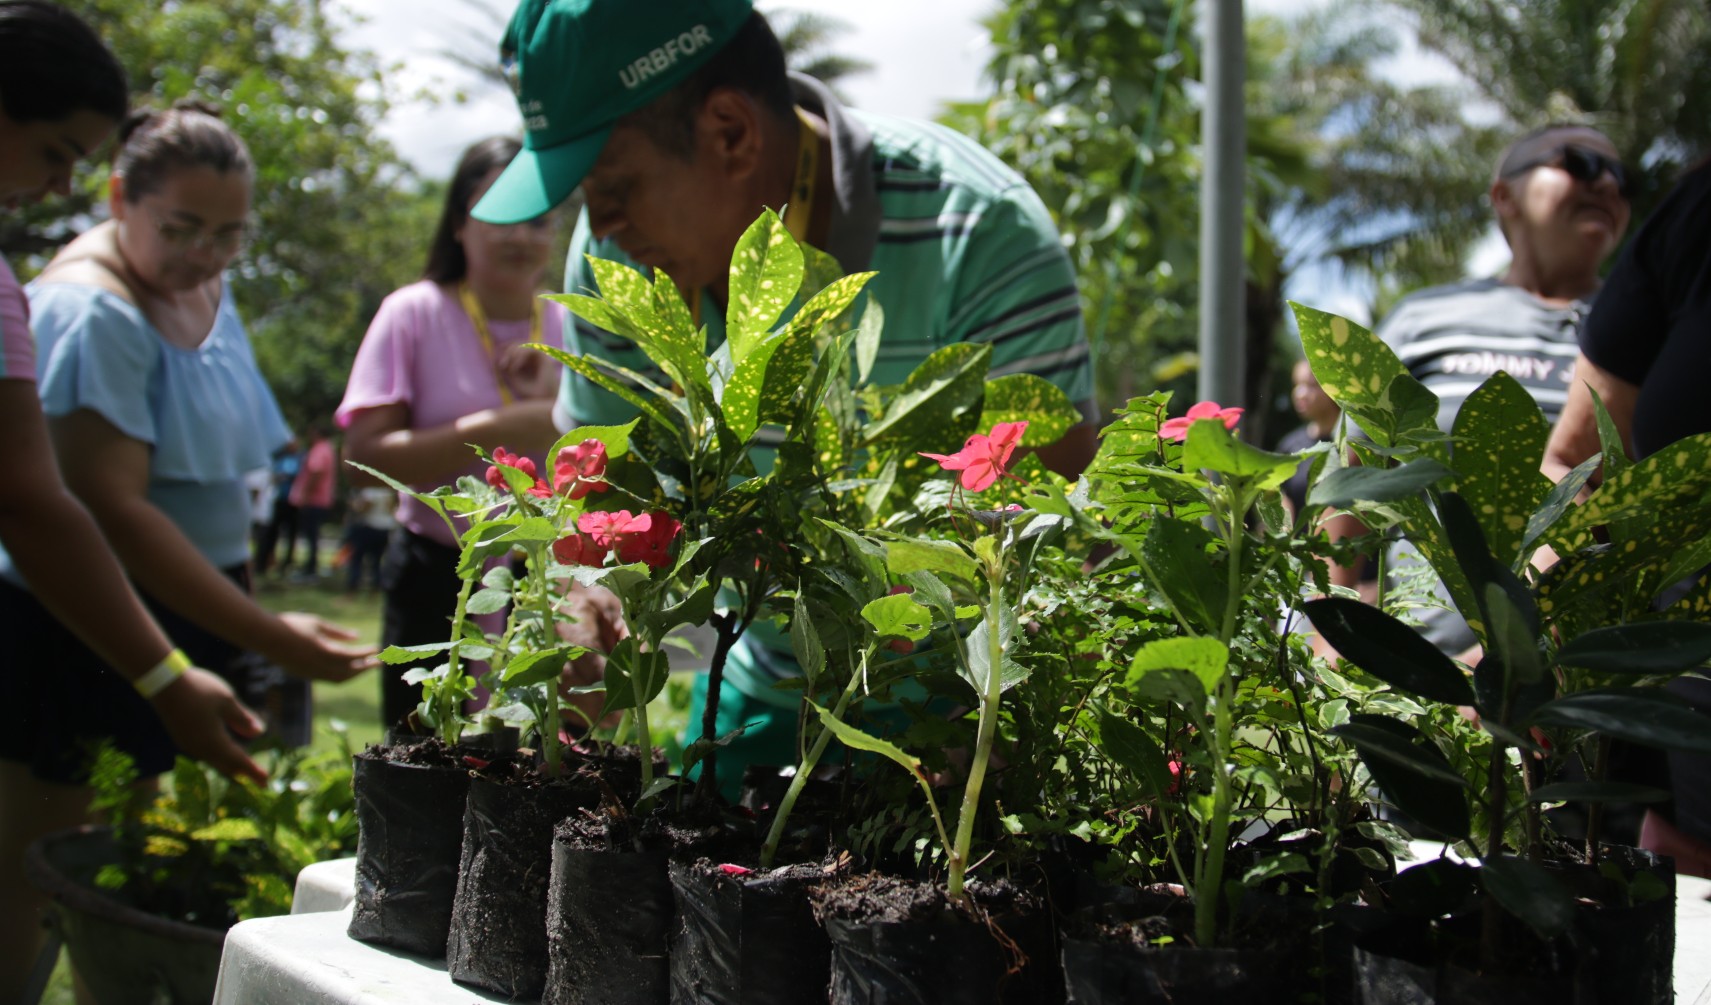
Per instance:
x=1583, y=165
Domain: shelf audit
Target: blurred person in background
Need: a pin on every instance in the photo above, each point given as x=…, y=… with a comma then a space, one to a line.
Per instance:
x=446, y=363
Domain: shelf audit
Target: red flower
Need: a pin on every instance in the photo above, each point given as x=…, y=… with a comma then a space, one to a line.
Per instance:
x=579, y=549
x=577, y=471
x=496, y=477
x=983, y=458
x=1177, y=429
x=541, y=490
x=646, y=538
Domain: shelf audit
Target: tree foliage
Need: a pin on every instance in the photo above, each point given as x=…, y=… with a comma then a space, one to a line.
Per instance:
x=340, y=220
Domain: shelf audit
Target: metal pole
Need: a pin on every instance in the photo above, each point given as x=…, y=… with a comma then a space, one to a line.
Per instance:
x=1223, y=137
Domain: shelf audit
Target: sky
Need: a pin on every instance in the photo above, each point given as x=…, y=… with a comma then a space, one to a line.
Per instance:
x=925, y=53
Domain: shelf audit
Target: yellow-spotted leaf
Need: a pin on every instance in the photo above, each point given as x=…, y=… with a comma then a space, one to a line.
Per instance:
x=831, y=303
x=1364, y=376
x=1676, y=478
x=1026, y=397
x=646, y=404
x=939, y=401
x=766, y=273
x=1500, y=435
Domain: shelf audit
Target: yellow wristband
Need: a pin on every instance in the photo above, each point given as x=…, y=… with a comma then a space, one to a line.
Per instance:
x=164, y=673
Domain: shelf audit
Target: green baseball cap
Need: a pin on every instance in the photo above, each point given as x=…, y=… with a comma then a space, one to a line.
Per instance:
x=577, y=67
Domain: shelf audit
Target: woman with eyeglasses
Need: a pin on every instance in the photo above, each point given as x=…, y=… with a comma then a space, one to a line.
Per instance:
x=1646, y=350
x=446, y=364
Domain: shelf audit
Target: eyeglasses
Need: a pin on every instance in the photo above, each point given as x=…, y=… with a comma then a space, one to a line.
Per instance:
x=1583, y=165
x=181, y=238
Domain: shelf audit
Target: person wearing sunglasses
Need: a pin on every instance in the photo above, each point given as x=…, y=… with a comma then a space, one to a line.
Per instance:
x=1644, y=349
x=1557, y=194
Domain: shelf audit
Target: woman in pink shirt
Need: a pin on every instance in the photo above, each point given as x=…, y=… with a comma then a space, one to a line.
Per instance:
x=312, y=495
x=445, y=364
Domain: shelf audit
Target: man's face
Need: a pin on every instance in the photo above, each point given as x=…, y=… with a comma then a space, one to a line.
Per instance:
x=1556, y=209
x=681, y=216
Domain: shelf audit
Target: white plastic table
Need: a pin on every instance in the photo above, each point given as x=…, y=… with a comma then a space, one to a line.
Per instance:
x=307, y=959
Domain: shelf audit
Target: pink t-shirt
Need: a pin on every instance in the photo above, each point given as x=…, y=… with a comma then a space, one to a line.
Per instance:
x=314, y=483
x=422, y=350
x=17, y=347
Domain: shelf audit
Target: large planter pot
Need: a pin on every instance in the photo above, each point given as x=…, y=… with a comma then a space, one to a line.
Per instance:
x=896, y=942
x=747, y=938
x=123, y=955
x=498, y=934
x=410, y=808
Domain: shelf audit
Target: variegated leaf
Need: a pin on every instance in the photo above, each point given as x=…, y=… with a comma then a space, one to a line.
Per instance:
x=939, y=399
x=1500, y=435
x=1678, y=477
x=1030, y=398
x=646, y=404
x=766, y=273
x=1363, y=375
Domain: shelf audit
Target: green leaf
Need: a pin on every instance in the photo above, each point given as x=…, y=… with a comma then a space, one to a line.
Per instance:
x=1027, y=397
x=900, y=615
x=1206, y=658
x=1389, y=650
x=1131, y=747
x=1179, y=687
x=1598, y=792
x=1412, y=772
x=855, y=739
x=1177, y=557
x=979, y=650
x=616, y=440
x=1510, y=639
x=1558, y=501
x=585, y=366
x=1363, y=375
x=1647, y=716
x=410, y=654
x=1675, y=480
x=786, y=376
x=825, y=306
x=1646, y=647
x=1500, y=435
x=1212, y=447
x=1275, y=865
x=645, y=671
x=488, y=601
x=867, y=339
x=805, y=643
x=906, y=555
x=1346, y=486
x=766, y=273
x=938, y=398
x=535, y=668
x=741, y=398
x=532, y=529
x=1529, y=893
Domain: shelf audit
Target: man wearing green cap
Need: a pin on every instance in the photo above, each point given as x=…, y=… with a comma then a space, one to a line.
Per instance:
x=680, y=122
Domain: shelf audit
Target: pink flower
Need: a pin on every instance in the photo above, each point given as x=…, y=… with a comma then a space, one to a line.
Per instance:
x=1177, y=429
x=541, y=490
x=579, y=549
x=496, y=477
x=578, y=470
x=983, y=458
x=646, y=538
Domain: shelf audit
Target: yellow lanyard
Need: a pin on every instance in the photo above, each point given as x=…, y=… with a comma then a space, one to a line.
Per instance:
x=478, y=317
x=800, y=210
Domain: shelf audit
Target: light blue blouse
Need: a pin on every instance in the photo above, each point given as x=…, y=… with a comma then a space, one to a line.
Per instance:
x=206, y=413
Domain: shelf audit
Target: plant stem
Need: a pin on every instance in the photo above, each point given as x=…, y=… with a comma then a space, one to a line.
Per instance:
x=644, y=736
x=810, y=760
x=1595, y=811
x=1209, y=885
x=724, y=626
x=549, y=728
x=1497, y=799
x=987, y=730
x=451, y=717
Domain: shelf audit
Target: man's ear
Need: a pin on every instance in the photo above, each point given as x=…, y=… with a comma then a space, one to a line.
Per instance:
x=728, y=129
x=1504, y=201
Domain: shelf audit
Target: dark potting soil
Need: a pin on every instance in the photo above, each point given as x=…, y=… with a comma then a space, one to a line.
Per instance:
x=409, y=805
x=892, y=938
x=498, y=937
x=748, y=937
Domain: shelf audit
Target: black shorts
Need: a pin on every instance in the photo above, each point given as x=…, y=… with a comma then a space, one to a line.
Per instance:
x=419, y=577
x=66, y=699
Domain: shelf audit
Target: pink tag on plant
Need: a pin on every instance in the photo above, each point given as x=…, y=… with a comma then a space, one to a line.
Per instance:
x=735, y=870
